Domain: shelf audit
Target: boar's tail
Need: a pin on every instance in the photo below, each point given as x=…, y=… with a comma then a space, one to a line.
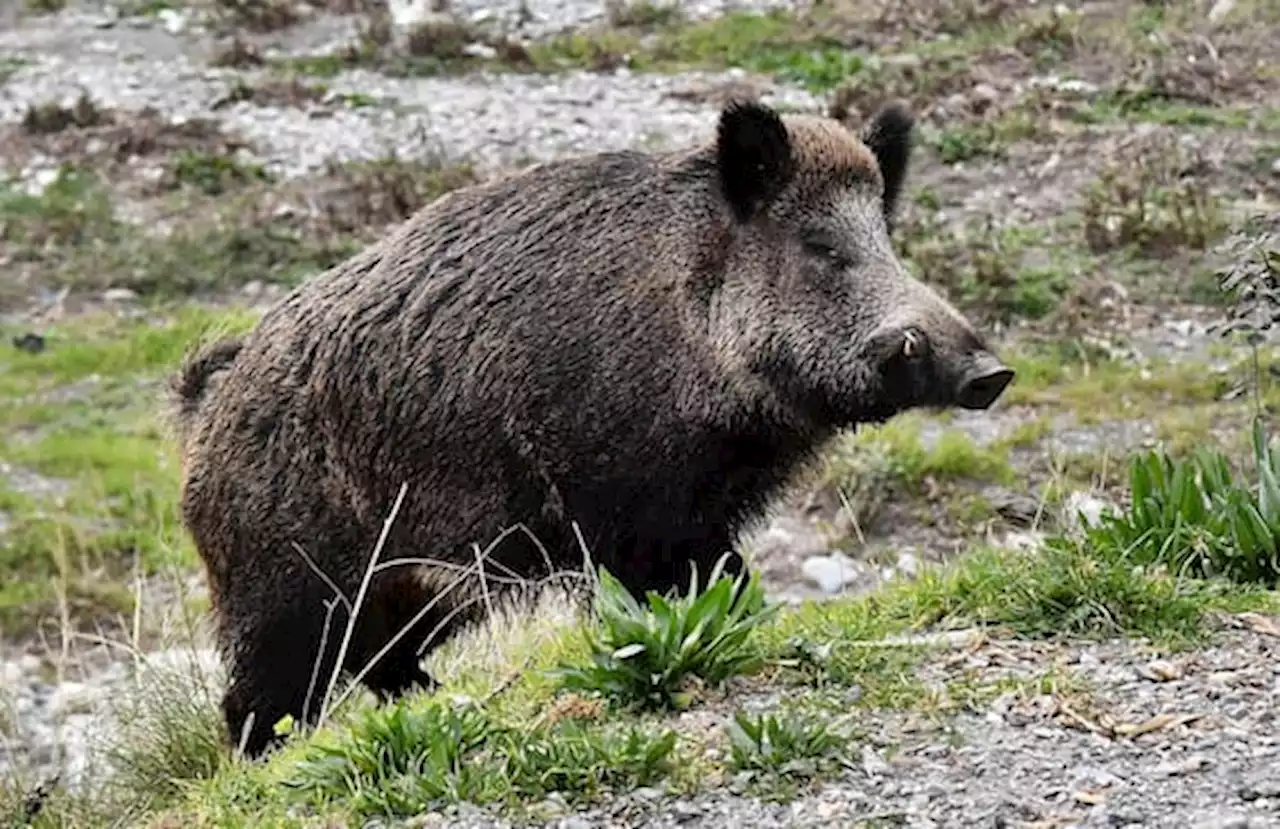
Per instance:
x=188, y=386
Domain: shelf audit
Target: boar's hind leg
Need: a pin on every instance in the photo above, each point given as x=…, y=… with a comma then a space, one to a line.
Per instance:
x=399, y=596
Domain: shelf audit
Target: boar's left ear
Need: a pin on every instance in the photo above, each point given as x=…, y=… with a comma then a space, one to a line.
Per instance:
x=888, y=136
x=753, y=153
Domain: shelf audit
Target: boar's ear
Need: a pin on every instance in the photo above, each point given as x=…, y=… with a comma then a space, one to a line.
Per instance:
x=888, y=136
x=753, y=153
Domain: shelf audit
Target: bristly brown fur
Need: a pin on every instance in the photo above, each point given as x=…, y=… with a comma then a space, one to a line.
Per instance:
x=629, y=352
x=187, y=386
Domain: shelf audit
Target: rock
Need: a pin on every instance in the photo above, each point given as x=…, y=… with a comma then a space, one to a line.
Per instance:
x=908, y=564
x=480, y=50
x=1159, y=670
x=1221, y=9
x=1178, y=768
x=1015, y=507
x=1081, y=510
x=118, y=295
x=873, y=764
x=30, y=343
x=1266, y=784
x=172, y=21
x=831, y=572
x=1224, y=822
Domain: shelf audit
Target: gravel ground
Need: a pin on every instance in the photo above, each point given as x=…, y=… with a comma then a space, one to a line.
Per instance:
x=493, y=120
x=1205, y=753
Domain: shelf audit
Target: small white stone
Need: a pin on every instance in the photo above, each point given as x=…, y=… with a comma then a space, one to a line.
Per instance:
x=1082, y=509
x=119, y=295
x=831, y=572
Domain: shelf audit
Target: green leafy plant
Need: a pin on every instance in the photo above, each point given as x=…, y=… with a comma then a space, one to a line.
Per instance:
x=213, y=175
x=395, y=761
x=579, y=759
x=1196, y=517
x=644, y=655
x=788, y=745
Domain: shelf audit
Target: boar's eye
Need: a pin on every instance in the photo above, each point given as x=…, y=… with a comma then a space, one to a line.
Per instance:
x=823, y=246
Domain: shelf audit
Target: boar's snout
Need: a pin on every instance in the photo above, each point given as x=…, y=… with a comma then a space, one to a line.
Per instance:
x=940, y=367
x=983, y=383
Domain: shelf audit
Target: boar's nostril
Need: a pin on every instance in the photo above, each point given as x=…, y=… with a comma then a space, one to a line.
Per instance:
x=980, y=388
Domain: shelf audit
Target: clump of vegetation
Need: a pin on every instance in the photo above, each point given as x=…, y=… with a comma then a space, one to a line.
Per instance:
x=645, y=656
x=642, y=14
x=45, y=6
x=397, y=761
x=1153, y=204
x=361, y=196
x=1197, y=515
x=289, y=91
x=237, y=53
x=72, y=210
x=403, y=761
x=258, y=15
x=582, y=761
x=169, y=732
x=51, y=117
x=984, y=268
x=431, y=48
x=212, y=174
x=781, y=745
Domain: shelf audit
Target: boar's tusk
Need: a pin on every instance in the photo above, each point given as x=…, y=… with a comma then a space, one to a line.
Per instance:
x=909, y=344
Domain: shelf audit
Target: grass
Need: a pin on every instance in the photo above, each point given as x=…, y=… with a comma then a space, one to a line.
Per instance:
x=83, y=418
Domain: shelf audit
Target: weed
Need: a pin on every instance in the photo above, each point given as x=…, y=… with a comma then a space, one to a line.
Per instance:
x=788, y=745
x=169, y=733
x=644, y=656
x=1068, y=587
x=51, y=117
x=967, y=143
x=642, y=14
x=237, y=53
x=362, y=195
x=72, y=210
x=1194, y=517
x=272, y=92
x=981, y=266
x=212, y=175
x=397, y=761
x=582, y=760
x=1152, y=204
x=10, y=65
x=258, y=15
x=45, y=6
x=402, y=761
